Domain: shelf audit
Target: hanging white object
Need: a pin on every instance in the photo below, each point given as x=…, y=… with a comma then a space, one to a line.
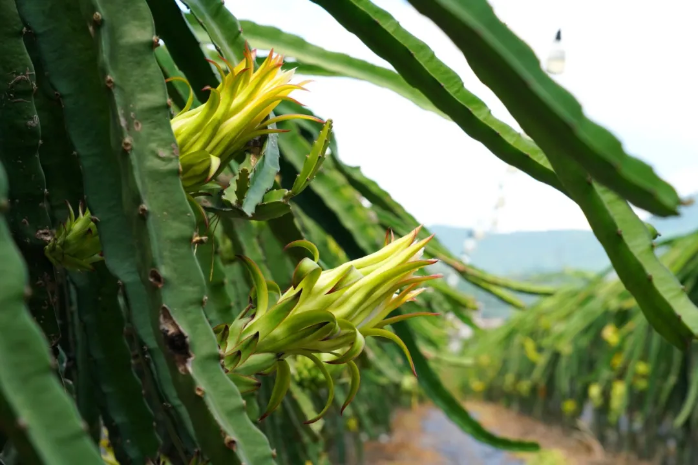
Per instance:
x=556, y=58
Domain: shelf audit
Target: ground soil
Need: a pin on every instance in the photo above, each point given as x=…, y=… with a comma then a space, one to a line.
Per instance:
x=414, y=442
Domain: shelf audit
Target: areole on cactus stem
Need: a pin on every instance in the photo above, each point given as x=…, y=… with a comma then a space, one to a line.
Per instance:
x=325, y=316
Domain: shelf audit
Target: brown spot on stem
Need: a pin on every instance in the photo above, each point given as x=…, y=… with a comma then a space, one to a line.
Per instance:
x=230, y=443
x=155, y=278
x=176, y=341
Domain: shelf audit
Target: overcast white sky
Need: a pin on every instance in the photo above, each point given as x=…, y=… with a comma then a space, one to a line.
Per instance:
x=631, y=63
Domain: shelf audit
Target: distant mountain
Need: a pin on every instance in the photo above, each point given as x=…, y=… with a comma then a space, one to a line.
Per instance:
x=528, y=252
x=533, y=252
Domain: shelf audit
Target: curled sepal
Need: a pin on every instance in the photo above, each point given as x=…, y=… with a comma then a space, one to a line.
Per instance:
x=197, y=168
x=260, y=284
x=406, y=316
x=314, y=160
x=307, y=245
x=354, y=386
x=265, y=324
x=357, y=345
x=350, y=276
x=377, y=332
x=291, y=329
x=244, y=383
x=257, y=364
x=281, y=385
x=190, y=99
x=328, y=380
x=222, y=333
x=232, y=359
x=304, y=269
x=235, y=331
x=247, y=347
x=272, y=287
x=389, y=237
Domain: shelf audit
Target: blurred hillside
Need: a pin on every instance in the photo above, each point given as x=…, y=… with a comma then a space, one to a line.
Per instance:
x=530, y=254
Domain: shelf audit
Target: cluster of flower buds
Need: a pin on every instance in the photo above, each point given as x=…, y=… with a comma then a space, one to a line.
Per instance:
x=76, y=245
x=213, y=134
x=324, y=316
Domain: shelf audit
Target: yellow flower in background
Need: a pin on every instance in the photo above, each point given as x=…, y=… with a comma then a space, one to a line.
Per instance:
x=509, y=382
x=352, y=424
x=476, y=385
x=642, y=368
x=524, y=387
x=610, y=334
x=616, y=360
x=213, y=134
x=640, y=384
x=531, y=349
x=618, y=395
x=595, y=392
x=484, y=360
x=569, y=407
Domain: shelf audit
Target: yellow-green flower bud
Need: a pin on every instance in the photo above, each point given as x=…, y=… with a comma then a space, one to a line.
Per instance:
x=76, y=245
x=326, y=315
x=235, y=113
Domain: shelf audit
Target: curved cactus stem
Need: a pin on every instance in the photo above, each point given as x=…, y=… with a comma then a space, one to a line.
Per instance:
x=175, y=284
x=222, y=27
x=628, y=244
x=82, y=92
x=100, y=314
x=184, y=48
x=19, y=152
x=33, y=404
x=544, y=109
x=418, y=65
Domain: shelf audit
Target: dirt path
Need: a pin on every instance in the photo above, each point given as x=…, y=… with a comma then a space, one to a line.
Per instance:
x=425, y=436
